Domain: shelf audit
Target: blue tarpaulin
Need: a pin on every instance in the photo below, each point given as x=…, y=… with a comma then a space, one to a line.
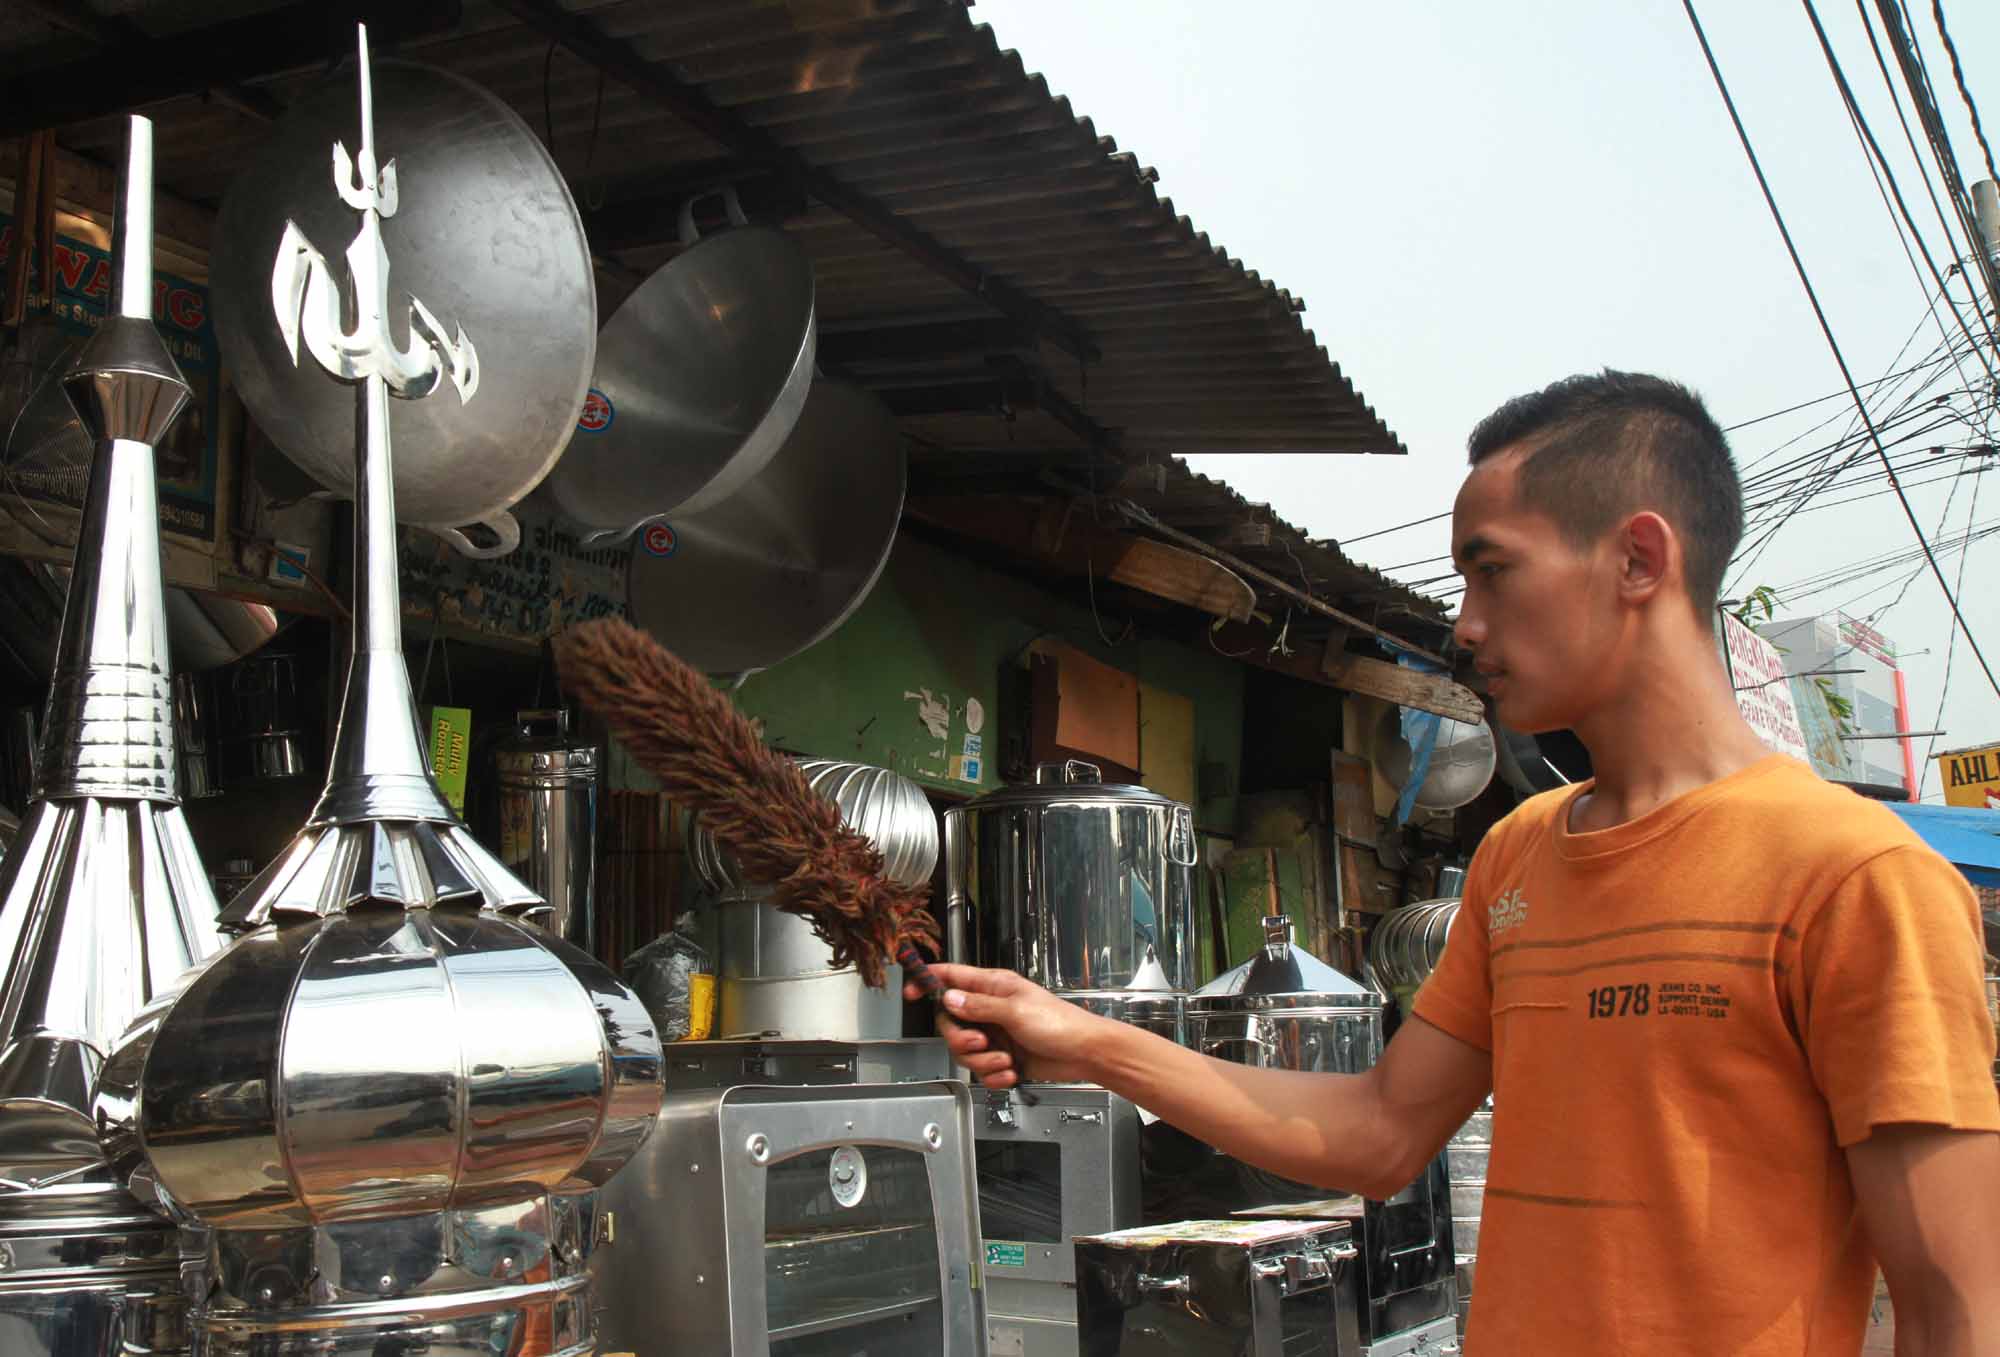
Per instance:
x=1966, y=837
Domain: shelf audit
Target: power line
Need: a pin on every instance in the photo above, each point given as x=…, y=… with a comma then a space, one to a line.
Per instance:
x=1951, y=646
x=1380, y=532
x=1958, y=77
x=1826, y=328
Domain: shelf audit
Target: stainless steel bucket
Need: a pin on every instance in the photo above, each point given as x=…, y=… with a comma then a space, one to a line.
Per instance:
x=1161, y=1014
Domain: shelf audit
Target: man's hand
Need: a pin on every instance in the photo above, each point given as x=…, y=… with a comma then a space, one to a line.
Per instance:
x=1028, y=1032
x=1930, y=1199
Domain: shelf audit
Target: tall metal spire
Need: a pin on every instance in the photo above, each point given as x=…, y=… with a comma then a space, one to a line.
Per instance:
x=103, y=903
x=382, y=830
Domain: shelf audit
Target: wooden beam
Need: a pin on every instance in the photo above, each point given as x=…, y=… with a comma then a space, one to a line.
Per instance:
x=1063, y=534
x=89, y=186
x=1353, y=673
x=137, y=72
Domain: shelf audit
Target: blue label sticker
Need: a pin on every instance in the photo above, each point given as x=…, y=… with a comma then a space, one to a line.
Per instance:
x=968, y=770
x=975, y=745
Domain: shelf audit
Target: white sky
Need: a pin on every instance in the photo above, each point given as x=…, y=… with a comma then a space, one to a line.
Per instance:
x=1475, y=199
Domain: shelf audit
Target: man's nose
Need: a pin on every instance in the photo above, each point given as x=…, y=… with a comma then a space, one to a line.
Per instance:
x=1470, y=629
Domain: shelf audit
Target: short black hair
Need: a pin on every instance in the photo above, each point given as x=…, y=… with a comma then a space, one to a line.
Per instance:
x=1603, y=445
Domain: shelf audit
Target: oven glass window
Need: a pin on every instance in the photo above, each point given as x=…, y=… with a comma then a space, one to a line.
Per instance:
x=1020, y=1191
x=851, y=1254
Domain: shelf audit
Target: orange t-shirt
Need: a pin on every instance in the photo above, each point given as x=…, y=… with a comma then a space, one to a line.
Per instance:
x=1689, y=1015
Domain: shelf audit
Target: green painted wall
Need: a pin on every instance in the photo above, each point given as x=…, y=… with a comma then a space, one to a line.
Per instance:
x=935, y=633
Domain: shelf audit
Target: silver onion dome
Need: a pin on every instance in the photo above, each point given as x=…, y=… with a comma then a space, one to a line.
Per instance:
x=386, y=1107
x=103, y=902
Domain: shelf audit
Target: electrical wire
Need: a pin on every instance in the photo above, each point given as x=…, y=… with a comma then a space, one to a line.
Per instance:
x=1958, y=77
x=1951, y=645
x=1826, y=328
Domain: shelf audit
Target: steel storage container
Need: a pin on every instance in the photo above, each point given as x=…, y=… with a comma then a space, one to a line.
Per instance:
x=1219, y=1288
x=774, y=976
x=1075, y=883
x=548, y=820
x=777, y=1222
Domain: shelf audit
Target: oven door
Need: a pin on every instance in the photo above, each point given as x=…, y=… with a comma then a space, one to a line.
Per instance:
x=851, y=1221
x=1068, y=1165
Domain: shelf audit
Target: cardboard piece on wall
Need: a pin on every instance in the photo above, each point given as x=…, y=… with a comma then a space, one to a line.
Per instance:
x=1097, y=707
x=1166, y=743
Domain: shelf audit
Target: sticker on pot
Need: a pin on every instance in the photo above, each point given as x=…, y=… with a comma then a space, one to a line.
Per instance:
x=659, y=539
x=597, y=412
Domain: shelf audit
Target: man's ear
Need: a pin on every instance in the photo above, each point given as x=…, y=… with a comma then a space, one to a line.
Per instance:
x=1650, y=552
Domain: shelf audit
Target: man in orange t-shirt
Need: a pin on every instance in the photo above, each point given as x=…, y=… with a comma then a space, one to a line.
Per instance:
x=1732, y=1016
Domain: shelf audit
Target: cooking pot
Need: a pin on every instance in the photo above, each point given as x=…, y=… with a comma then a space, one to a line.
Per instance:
x=1286, y=1009
x=701, y=375
x=485, y=235
x=779, y=565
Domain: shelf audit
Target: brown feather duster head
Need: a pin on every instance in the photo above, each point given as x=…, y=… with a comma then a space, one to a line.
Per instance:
x=751, y=799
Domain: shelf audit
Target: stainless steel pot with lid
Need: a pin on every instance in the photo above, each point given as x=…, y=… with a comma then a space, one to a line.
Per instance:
x=1284, y=1008
x=1076, y=883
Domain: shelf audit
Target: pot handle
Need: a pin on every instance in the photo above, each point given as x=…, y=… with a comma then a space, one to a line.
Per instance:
x=502, y=525
x=1181, y=851
x=731, y=205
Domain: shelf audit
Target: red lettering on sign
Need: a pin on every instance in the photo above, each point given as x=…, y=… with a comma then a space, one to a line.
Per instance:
x=100, y=279
x=184, y=308
x=69, y=266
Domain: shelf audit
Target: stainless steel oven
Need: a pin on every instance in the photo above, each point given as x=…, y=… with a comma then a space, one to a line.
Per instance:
x=834, y=1221
x=1067, y=1165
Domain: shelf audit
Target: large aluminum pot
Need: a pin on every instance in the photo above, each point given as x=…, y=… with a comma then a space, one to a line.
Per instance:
x=485, y=234
x=774, y=975
x=779, y=565
x=701, y=374
x=1286, y=1009
x=1077, y=884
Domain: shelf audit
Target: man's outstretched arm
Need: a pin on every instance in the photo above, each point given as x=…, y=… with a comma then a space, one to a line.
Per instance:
x=1370, y=1133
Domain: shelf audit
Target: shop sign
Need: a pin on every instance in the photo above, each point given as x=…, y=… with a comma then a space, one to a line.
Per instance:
x=1860, y=636
x=188, y=457
x=1763, y=690
x=1971, y=777
x=551, y=581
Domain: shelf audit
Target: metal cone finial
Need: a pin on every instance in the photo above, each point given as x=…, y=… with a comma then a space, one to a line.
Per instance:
x=103, y=903
x=401, y=843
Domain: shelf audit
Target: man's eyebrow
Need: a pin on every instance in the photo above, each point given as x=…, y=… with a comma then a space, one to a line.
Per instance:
x=1473, y=548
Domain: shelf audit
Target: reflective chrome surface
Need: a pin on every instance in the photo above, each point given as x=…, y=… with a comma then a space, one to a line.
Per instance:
x=774, y=975
x=385, y=1106
x=731, y=1238
x=487, y=237
x=781, y=563
x=1076, y=883
x=702, y=371
x=1286, y=1009
x=548, y=820
x=103, y=902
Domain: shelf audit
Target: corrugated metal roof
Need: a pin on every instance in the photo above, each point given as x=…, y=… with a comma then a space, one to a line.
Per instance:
x=914, y=105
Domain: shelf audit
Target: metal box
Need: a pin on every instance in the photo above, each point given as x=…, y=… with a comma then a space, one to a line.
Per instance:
x=1066, y=1166
x=797, y=1222
x=1219, y=1288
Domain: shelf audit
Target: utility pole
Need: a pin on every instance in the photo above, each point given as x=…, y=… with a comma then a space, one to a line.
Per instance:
x=1986, y=213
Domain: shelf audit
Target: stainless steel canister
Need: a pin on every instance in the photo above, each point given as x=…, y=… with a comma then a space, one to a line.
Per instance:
x=1073, y=882
x=548, y=820
x=1163, y=1014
